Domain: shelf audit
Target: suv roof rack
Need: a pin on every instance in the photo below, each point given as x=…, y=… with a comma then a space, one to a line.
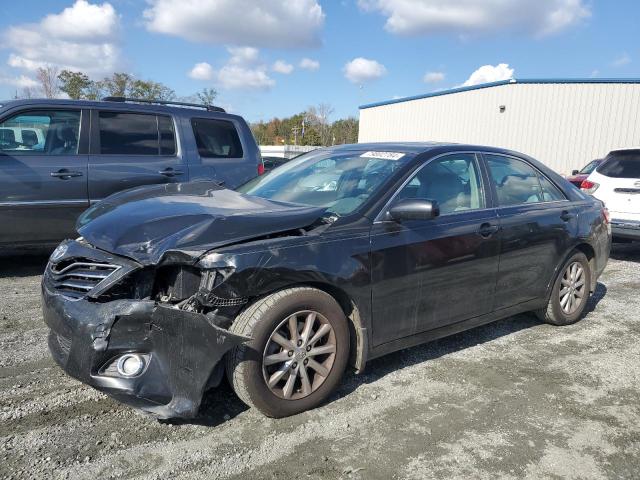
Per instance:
x=210, y=108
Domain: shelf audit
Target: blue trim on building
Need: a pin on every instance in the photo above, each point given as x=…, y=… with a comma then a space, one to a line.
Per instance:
x=502, y=82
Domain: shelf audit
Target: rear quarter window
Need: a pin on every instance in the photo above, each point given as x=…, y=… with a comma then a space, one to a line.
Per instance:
x=621, y=165
x=216, y=138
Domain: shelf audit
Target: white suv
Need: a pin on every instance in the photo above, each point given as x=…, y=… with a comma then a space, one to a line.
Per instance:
x=616, y=182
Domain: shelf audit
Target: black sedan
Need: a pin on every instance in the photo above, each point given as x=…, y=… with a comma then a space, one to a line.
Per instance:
x=335, y=258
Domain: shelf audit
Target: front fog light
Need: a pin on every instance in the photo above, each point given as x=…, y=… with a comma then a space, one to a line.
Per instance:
x=130, y=365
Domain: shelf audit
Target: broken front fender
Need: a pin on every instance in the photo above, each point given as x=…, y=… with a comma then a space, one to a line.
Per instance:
x=181, y=350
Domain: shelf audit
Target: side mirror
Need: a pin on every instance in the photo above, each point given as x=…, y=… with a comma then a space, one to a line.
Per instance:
x=413, y=209
x=575, y=172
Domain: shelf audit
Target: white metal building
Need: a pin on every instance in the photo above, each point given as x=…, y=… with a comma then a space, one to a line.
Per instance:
x=563, y=123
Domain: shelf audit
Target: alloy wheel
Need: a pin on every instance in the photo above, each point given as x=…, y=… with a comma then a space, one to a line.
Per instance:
x=572, y=288
x=299, y=355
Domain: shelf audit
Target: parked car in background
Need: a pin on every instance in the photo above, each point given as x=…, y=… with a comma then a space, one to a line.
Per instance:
x=340, y=255
x=616, y=181
x=578, y=176
x=270, y=162
x=58, y=157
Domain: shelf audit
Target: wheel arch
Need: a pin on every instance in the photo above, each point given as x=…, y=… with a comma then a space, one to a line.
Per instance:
x=589, y=252
x=358, y=334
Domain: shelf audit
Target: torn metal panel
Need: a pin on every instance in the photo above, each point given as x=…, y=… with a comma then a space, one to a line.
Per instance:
x=183, y=349
x=145, y=224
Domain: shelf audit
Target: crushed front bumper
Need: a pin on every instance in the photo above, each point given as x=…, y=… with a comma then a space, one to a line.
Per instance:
x=182, y=349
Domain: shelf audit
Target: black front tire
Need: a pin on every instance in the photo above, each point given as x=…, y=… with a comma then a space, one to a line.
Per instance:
x=244, y=364
x=555, y=313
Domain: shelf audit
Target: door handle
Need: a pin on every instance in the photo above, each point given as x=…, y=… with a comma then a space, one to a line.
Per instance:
x=170, y=172
x=565, y=216
x=64, y=174
x=486, y=230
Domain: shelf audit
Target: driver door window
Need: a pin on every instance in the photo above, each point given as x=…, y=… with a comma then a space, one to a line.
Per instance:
x=43, y=132
x=452, y=181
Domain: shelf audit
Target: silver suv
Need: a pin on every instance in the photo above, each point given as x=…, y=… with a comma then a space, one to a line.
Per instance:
x=57, y=157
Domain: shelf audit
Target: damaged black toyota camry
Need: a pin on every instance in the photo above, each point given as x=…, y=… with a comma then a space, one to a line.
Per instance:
x=337, y=257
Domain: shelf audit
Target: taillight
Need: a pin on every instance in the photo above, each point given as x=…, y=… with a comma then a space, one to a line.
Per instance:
x=260, y=168
x=588, y=187
x=605, y=214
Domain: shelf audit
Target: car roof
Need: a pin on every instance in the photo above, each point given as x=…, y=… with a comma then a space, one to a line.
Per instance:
x=419, y=147
x=116, y=105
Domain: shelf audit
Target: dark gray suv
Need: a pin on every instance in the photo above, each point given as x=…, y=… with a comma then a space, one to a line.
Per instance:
x=57, y=157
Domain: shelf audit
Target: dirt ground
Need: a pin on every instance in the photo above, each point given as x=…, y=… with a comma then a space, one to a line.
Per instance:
x=516, y=399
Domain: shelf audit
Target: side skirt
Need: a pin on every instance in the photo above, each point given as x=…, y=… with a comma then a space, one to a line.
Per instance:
x=452, y=329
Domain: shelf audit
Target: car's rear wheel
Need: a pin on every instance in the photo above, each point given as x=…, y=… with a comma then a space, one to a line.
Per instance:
x=298, y=351
x=570, y=292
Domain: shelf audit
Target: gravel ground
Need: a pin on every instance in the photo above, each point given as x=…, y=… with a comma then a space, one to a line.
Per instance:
x=515, y=399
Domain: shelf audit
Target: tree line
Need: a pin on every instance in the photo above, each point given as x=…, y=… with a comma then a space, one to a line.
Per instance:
x=311, y=127
x=53, y=83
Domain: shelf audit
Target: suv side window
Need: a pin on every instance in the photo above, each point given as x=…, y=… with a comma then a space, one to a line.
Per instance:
x=135, y=134
x=519, y=183
x=41, y=132
x=453, y=181
x=216, y=138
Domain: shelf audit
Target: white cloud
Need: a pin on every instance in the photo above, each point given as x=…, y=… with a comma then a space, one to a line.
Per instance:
x=309, y=64
x=361, y=70
x=280, y=66
x=489, y=73
x=433, y=77
x=621, y=60
x=264, y=23
x=419, y=17
x=201, y=71
x=243, y=71
x=242, y=78
x=21, y=81
x=82, y=37
x=243, y=55
x=82, y=21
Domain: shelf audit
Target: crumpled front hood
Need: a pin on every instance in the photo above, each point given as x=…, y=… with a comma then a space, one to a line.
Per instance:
x=144, y=223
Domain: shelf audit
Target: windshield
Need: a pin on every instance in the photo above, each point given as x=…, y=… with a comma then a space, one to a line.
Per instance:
x=590, y=167
x=338, y=181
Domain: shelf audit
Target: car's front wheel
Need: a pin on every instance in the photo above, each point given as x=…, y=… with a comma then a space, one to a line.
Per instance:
x=298, y=351
x=570, y=292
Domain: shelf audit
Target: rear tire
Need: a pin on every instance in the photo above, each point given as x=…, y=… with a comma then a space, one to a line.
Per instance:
x=570, y=292
x=297, y=354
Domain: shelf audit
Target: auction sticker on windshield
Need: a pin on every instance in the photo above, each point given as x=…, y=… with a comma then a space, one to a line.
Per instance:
x=383, y=155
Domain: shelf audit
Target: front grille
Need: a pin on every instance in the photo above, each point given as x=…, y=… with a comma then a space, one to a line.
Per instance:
x=76, y=277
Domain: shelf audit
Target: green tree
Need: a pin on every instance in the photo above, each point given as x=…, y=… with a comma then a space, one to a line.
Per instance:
x=150, y=90
x=118, y=84
x=74, y=84
x=207, y=96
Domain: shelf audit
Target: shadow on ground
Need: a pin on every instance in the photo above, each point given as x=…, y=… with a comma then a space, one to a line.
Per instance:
x=23, y=265
x=629, y=252
x=221, y=404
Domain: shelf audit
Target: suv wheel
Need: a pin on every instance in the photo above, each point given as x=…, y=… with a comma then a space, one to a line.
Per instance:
x=570, y=292
x=297, y=354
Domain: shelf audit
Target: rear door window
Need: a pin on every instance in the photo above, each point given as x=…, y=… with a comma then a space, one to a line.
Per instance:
x=216, y=138
x=516, y=182
x=136, y=134
x=621, y=165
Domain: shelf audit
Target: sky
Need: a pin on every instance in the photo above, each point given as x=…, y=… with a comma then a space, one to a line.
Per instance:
x=274, y=58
